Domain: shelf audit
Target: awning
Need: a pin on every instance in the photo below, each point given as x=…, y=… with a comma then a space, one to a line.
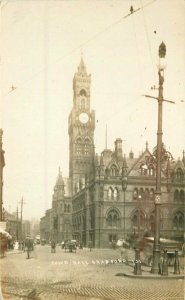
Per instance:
x=5, y=232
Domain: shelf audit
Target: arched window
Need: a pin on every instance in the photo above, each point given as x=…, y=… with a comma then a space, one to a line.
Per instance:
x=151, y=170
x=78, y=148
x=83, y=93
x=182, y=195
x=115, y=193
x=69, y=208
x=135, y=194
x=113, y=170
x=141, y=193
x=113, y=219
x=151, y=195
x=176, y=195
x=110, y=193
x=178, y=221
x=144, y=169
x=179, y=174
x=87, y=147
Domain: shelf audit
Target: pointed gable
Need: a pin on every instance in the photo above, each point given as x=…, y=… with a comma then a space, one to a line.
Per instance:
x=144, y=160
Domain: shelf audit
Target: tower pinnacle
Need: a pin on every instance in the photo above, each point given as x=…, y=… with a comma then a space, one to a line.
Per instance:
x=82, y=67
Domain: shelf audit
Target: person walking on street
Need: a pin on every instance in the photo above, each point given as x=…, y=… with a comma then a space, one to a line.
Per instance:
x=28, y=246
x=53, y=246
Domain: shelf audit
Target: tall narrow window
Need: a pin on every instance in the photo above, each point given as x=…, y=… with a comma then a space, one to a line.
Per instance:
x=179, y=174
x=113, y=170
x=78, y=147
x=110, y=193
x=115, y=193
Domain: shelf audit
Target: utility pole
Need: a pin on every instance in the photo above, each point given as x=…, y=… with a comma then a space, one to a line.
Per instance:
x=159, y=154
x=22, y=203
x=17, y=223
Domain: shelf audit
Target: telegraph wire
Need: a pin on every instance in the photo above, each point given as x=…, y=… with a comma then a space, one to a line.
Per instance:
x=87, y=41
x=148, y=40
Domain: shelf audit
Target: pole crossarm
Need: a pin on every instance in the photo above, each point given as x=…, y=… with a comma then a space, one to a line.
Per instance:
x=148, y=96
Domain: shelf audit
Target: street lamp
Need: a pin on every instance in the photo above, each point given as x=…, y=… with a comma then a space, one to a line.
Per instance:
x=124, y=187
x=157, y=202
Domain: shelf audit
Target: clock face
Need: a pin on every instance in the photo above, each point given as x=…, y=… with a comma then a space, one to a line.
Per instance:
x=83, y=117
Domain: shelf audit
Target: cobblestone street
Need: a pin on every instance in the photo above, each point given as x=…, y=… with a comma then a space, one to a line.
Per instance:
x=80, y=275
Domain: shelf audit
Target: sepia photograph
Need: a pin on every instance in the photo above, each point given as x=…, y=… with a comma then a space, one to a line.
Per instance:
x=92, y=149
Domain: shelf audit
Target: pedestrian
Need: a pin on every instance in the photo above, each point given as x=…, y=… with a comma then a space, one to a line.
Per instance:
x=124, y=252
x=53, y=246
x=28, y=246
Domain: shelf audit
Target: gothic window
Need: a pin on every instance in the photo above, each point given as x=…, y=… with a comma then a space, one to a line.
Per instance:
x=178, y=221
x=135, y=194
x=86, y=149
x=79, y=146
x=113, y=219
x=113, y=170
x=115, y=193
x=151, y=195
x=151, y=170
x=69, y=208
x=65, y=207
x=83, y=93
x=179, y=174
x=110, y=193
x=144, y=169
x=87, y=146
x=181, y=195
x=176, y=195
x=141, y=193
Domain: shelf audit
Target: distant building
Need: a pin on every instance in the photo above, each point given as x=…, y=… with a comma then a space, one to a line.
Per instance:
x=112, y=195
x=13, y=225
x=57, y=222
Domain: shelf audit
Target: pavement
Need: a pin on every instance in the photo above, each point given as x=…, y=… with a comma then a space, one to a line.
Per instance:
x=81, y=275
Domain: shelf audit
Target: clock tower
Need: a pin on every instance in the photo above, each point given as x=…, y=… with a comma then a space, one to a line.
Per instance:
x=81, y=125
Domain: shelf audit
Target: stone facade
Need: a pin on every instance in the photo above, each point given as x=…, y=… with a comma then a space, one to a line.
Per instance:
x=112, y=195
x=56, y=224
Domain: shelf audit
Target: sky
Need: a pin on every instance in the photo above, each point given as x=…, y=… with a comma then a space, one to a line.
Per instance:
x=41, y=43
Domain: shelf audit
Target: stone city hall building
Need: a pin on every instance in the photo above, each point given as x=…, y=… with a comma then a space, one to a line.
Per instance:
x=110, y=196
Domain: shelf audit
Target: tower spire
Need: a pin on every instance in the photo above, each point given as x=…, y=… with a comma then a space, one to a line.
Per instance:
x=82, y=67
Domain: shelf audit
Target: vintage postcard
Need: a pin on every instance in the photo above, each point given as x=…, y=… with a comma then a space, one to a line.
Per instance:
x=92, y=162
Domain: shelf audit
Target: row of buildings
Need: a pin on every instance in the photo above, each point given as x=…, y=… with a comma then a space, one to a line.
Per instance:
x=111, y=195
x=12, y=222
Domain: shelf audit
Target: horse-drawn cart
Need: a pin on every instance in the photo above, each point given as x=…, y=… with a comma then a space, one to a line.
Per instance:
x=71, y=246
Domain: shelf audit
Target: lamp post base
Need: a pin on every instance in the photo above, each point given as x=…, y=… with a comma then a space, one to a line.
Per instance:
x=156, y=262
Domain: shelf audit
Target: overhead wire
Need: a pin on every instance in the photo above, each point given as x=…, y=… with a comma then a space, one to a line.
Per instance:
x=148, y=40
x=85, y=43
